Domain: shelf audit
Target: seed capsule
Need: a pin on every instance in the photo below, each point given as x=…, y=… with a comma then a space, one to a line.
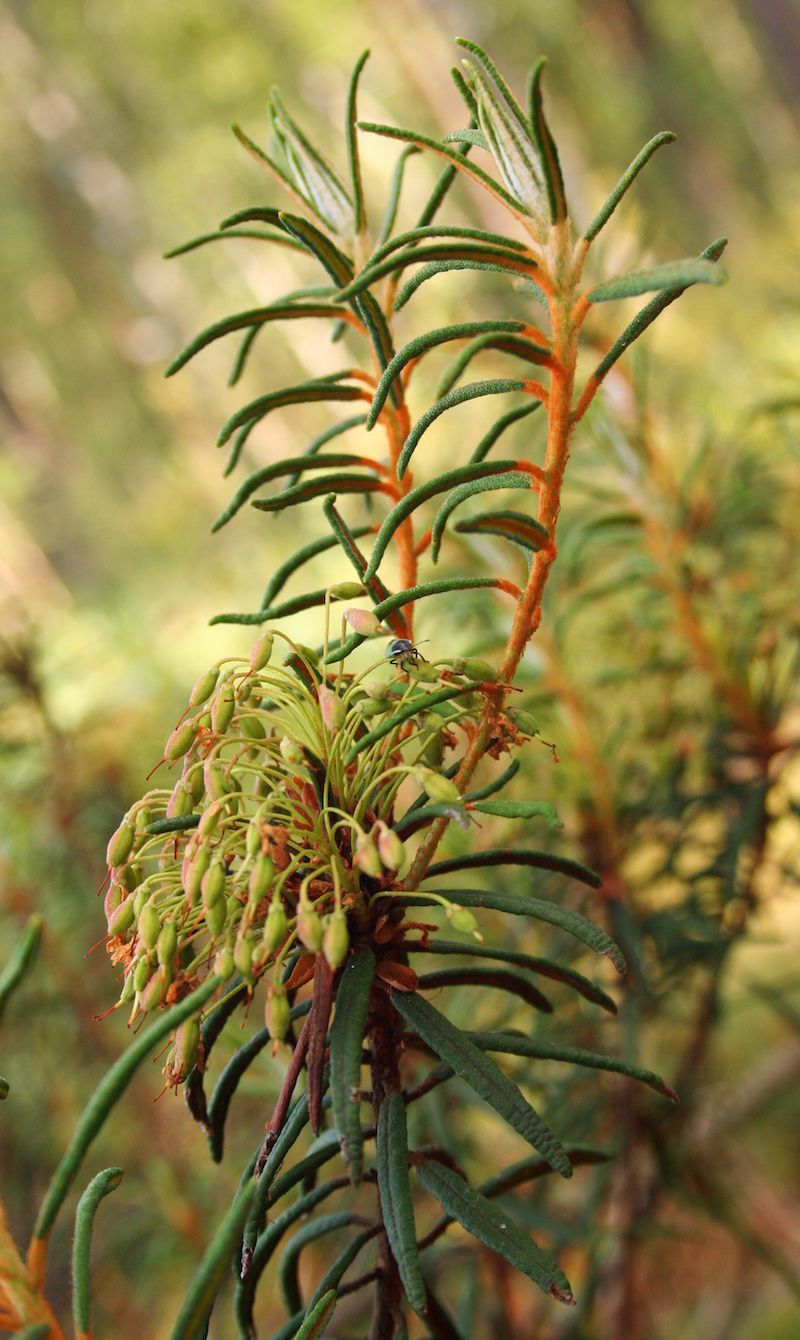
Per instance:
x=277, y=1015
x=461, y=919
x=120, y=845
x=524, y=721
x=367, y=707
x=261, y=652
x=204, y=687
x=187, y=1049
x=336, y=939
x=474, y=668
x=115, y=894
x=348, y=590
x=291, y=752
x=378, y=689
x=216, y=783
x=192, y=872
x=210, y=819
x=180, y=741
x=180, y=802
x=155, y=990
x=252, y=727
x=149, y=926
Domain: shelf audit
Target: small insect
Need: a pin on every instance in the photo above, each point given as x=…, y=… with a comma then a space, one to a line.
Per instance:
x=401, y=650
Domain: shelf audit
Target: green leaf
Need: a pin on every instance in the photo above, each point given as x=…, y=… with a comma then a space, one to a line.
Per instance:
x=257, y=234
x=446, y=267
x=107, y=1094
x=474, y=137
x=458, y=161
x=256, y=316
x=288, y=1276
x=21, y=960
x=628, y=177
x=495, y=785
x=492, y=1226
x=442, y=586
x=514, y=526
x=308, y=600
x=347, y=539
x=266, y=1187
x=519, y=347
x=256, y=213
x=428, y=231
x=509, y=139
x=555, y=971
x=286, y=570
x=335, y=430
x=293, y=464
x=520, y=809
x=649, y=312
x=482, y=1075
x=499, y=427
x=397, y=1207
x=436, y=254
x=674, y=274
x=317, y=1318
x=332, y=1277
x=226, y=1086
x=521, y=905
x=100, y=1186
x=542, y=860
x=510, y=480
x=491, y=69
x=422, y=493
x=213, y=1268
x=312, y=176
x=470, y=102
x=513, y=1045
x=347, y=1036
x=545, y=144
x=460, y=396
x=314, y=488
x=480, y=976
x=360, y=221
x=430, y=340
x=423, y=702
x=314, y=390
x=395, y=189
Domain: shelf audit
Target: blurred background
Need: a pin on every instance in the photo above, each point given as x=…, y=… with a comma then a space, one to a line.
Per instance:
x=667, y=667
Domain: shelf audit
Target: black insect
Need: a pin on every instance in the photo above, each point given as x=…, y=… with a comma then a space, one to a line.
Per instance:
x=402, y=650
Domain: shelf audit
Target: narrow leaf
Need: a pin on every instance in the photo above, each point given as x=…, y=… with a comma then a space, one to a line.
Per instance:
x=442, y=586
x=482, y=1075
x=514, y=526
x=628, y=177
x=422, y=702
x=422, y=493
x=521, y=905
x=674, y=274
x=213, y=1268
x=21, y=960
x=333, y=1276
x=447, y=267
x=346, y=1042
x=492, y=1226
x=649, y=312
x=347, y=539
x=315, y=488
x=397, y=1207
x=544, y=967
x=390, y=214
x=225, y=1088
x=548, y=154
x=286, y=570
x=257, y=234
x=314, y=390
x=460, y=396
x=256, y=316
x=542, y=860
x=514, y=479
x=328, y=434
x=513, y=1045
x=520, y=809
x=499, y=978
x=515, y=345
x=316, y=1320
x=293, y=464
x=360, y=220
x=100, y=1186
x=501, y=256
x=288, y=1276
x=428, y=231
x=505, y=421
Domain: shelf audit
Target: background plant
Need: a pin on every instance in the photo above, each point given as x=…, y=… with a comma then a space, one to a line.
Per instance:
x=442, y=282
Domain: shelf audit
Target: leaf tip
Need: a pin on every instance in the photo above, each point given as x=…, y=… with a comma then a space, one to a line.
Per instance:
x=562, y=1295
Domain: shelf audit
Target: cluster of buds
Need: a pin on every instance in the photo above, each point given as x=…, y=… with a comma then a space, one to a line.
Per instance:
x=275, y=836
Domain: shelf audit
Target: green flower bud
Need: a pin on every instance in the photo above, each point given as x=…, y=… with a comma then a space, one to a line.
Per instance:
x=261, y=652
x=477, y=669
x=216, y=916
x=149, y=926
x=243, y=958
x=115, y=894
x=180, y=802
x=222, y=709
x=366, y=856
x=348, y=590
x=252, y=841
x=461, y=919
x=210, y=819
x=261, y=879
x=425, y=674
x=440, y=789
x=140, y=898
x=127, y=993
x=524, y=721
x=204, y=687
x=167, y=943
x=192, y=871
x=187, y=1048
x=253, y=728
x=141, y=973
x=390, y=848
x=309, y=928
x=155, y=990
x=277, y=1015
x=276, y=927
x=143, y=818
x=224, y=965
x=367, y=707
x=180, y=741
x=120, y=845
x=291, y=752
x=216, y=783
x=122, y=918
x=195, y=782
x=336, y=939
x=131, y=876
x=378, y=689
x=212, y=884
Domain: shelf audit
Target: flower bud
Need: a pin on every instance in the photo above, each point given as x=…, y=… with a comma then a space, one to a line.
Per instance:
x=120, y=845
x=211, y=817
x=195, y=781
x=366, y=856
x=180, y=802
x=154, y=991
x=216, y=916
x=204, y=687
x=277, y=1015
x=261, y=879
x=252, y=727
x=367, y=708
x=276, y=927
x=141, y=973
x=187, y=1048
x=149, y=926
x=291, y=752
x=336, y=939
x=167, y=942
x=224, y=965
x=216, y=783
x=212, y=884
x=524, y=721
x=252, y=841
x=122, y=919
x=243, y=958
x=222, y=709
x=193, y=869
x=390, y=848
x=140, y=898
x=130, y=876
x=115, y=894
x=348, y=590
x=461, y=919
x=363, y=622
x=309, y=927
x=474, y=668
x=261, y=652
x=180, y=741
x=331, y=707
x=127, y=993
x=440, y=789
x=378, y=689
